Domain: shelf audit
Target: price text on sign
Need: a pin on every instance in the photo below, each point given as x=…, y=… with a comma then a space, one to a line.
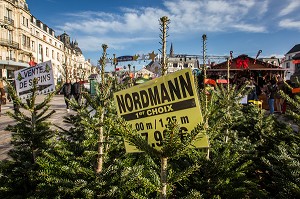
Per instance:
x=151, y=106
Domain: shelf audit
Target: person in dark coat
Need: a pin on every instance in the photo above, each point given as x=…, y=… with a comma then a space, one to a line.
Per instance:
x=2, y=95
x=67, y=92
x=272, y=90
x=76, y=90
x=16, y=105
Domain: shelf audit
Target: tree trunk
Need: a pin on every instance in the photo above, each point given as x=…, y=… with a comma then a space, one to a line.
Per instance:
x=163, y=177
x=100, y=145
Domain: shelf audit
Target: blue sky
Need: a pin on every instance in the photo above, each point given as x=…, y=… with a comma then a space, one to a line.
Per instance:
x=131, y=27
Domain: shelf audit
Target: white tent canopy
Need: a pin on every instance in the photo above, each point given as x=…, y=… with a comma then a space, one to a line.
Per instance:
x=144, y=72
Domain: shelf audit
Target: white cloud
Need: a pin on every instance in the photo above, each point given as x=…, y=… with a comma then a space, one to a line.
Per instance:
x=289, y=23
x=249, y=28
x=279, y=56
x=263, y=7
x=291, y=7
x=186, y=16
x=92, y=43
x=216, y=15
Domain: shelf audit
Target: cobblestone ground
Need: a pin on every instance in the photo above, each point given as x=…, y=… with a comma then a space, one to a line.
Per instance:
x=57, y=104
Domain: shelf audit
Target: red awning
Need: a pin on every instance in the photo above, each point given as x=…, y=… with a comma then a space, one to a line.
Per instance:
x=296, y=90
x=222, y=81
x=210, y=81
x=296, y=61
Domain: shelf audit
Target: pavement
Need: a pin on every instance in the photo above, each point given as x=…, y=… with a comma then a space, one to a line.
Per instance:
x=57, y=103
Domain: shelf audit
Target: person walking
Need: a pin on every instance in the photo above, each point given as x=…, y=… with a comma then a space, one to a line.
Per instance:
x=67, y=92
x=278, y=98
x=2, y=95
x=16, y=105
x=272, y=90
x=76, y=90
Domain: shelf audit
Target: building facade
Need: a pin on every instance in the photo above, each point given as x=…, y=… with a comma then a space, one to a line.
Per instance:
x=291, y=62
x=24, y=38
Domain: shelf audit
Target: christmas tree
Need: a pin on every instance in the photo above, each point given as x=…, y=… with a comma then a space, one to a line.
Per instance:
x=31, y=136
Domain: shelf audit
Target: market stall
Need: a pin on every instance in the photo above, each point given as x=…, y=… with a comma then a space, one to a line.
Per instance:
x=242, y=69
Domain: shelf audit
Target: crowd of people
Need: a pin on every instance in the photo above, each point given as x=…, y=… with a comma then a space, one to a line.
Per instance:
x=69, y=90
x=266, y=88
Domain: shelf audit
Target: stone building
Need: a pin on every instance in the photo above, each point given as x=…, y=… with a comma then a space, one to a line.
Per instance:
x=24, y=38
x=292, y=62
x=179, y=61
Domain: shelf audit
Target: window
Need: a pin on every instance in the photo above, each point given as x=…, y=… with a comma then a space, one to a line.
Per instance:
x=55, y=44
x=41, y=58
x=287, y=65
x=52, y=54
x=28, y=42
x=11, y=55
x=44, y=37
x=9, y=14
x=297, y=67
x=47, y=51
x=57, y=56
x=33, y=46
x=10, y=74
x=23, y=40
x=50, y=41
x=37, y=33
x=40, y=49
x=25, y=21
x=10, y=35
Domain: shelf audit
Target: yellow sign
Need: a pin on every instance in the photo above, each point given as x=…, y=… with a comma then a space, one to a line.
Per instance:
x=151, y=106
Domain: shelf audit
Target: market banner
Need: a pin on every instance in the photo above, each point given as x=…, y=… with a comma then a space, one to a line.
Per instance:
x=24, y=79
x=124, y=58
x=151, y=106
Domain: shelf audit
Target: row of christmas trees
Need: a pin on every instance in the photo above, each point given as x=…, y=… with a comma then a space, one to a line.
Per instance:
x=251, y=155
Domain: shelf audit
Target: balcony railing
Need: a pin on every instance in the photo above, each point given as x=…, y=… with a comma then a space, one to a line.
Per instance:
x=9, y=21
x=12, y=59
x=9, y=43
x=12, y=1
x=26, y=47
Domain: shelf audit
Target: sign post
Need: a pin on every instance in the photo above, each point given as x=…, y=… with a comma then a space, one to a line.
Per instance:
x=24, y=79
x=151, y=106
